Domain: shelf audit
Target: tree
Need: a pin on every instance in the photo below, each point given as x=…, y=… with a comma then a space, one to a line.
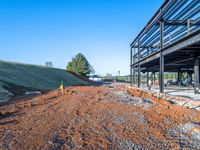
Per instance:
x=80, y=65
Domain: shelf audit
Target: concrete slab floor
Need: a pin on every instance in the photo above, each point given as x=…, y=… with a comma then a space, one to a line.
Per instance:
x=188, y=93
x=180, y=91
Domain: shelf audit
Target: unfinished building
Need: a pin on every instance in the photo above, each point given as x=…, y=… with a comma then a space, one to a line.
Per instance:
x=170, y=42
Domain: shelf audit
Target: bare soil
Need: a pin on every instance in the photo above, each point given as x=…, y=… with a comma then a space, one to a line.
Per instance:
x=87, y=117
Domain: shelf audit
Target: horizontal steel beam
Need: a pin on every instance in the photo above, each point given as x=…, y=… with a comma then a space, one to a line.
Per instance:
x=182, y=44
x=178, y=45
x=180, y=22
x=187, y=10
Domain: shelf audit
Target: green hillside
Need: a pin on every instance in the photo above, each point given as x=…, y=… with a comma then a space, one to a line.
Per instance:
x=18, y=77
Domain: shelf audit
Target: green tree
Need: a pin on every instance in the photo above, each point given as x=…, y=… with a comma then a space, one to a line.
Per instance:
x=80, y=65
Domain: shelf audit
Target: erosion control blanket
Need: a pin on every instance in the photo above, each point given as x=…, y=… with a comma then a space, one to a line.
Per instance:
x=24, y=77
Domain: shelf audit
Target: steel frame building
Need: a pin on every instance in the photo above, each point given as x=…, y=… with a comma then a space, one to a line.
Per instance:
x=169, y=42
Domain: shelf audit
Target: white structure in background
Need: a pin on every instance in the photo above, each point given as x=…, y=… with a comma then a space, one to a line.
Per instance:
x=33, y=93
x=49, y=64
x=95, y=78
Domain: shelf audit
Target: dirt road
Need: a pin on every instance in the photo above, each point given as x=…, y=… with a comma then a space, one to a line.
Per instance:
x=97, y=118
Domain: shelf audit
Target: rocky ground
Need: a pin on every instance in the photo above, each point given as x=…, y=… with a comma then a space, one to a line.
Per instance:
x=104, y=117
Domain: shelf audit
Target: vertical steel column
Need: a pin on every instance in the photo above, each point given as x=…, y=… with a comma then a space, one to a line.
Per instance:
x=148, y=50
x=148, y=79
x=154, y=77
x=134, y=78
x=196, y=75
x=139, y=70
x=179, y=77
x=190, y=77
x=133, y=74
x=131, y=68
x=161, y=74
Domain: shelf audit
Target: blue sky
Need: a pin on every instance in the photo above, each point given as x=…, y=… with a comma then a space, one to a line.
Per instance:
x=35, y=31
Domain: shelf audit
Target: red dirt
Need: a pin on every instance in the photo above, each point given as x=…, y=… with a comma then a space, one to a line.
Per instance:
x=89, y=118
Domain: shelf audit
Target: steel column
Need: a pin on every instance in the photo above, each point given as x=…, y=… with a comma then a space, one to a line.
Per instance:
x=161, y=74
x=134, y=72
x=139, y=75
x=154, y=77
x=179, y=78
x=131, y=68
x=190, y=77
x=148, y=79
x=139, y=70
x=196, y=75
x=134, y=75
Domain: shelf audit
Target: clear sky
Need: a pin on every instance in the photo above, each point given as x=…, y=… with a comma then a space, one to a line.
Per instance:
x=35, y=31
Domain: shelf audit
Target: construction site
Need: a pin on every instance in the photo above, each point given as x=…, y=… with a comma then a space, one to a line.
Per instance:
x=169, y=43
x=46, y=108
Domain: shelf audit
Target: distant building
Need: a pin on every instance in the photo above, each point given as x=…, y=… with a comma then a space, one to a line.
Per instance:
x=95, y=78
x=49, y=64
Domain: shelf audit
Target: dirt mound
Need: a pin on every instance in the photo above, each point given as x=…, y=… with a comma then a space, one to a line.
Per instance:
x=97, y=118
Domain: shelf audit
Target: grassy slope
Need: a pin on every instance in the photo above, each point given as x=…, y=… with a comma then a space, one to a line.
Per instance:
x=32, y=77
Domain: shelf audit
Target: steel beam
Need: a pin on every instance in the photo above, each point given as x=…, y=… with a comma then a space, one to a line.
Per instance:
x=131, y=75
x=139, y=75
x=196, y=75
x=181, y=22
x=139, y=70
x=134, y=75
x=154, y=77
x=187, y=10
x=148, y=86
x=175, y=16
x=179, y=78
x=190, y=77
x=166, y=6
x=131, y=68
x=161, y=74
x=183, y=43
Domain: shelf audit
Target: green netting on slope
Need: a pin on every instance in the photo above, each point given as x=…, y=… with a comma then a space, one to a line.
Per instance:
x=35, y=77
x=4, y=94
